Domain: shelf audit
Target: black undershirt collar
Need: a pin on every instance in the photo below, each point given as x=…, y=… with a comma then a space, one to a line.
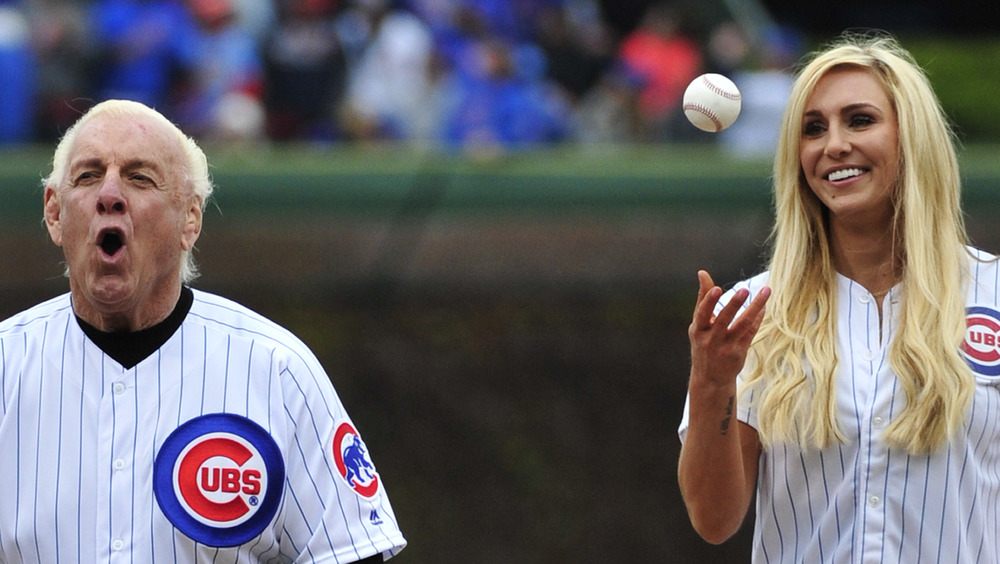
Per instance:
x=129, y=348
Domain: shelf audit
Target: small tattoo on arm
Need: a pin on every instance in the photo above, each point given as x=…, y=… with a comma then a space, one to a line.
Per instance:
x=729, y=415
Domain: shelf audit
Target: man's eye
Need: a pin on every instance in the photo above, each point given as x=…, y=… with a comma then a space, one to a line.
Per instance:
x=85, y=177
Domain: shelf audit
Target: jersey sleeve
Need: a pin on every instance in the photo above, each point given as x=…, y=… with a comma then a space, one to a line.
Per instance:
x=336, y=506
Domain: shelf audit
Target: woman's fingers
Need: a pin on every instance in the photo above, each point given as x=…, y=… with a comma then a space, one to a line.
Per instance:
x=749, y=321
x=708, y=296
x=729, y=311
x=729, y=321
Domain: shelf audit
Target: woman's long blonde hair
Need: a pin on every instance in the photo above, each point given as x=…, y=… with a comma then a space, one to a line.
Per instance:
x=793, y=363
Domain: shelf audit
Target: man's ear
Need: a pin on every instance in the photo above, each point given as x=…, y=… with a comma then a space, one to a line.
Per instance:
x=53, y=213
x=192, y=224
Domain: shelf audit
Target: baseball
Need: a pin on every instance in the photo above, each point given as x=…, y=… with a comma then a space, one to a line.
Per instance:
x=712, y=102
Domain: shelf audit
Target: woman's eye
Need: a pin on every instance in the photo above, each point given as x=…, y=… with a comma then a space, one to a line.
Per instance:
x=862, y=120
x=813, y=128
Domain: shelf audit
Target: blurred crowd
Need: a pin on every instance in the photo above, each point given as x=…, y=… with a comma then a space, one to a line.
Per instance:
x=460, y=74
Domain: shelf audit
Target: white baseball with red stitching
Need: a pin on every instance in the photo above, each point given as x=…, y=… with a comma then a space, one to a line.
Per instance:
x=712, y=102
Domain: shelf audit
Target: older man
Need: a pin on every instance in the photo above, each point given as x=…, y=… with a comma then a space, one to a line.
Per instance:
x=144, y=421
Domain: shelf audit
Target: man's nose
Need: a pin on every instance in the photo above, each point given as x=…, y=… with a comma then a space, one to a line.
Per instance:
x=110, y=198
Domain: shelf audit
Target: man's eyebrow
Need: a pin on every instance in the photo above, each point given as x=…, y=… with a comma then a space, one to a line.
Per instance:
x=86, y=163
x=97, y=162
x=141, y=163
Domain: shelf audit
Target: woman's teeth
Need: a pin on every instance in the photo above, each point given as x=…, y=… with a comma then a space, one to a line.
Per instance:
x=846, y=173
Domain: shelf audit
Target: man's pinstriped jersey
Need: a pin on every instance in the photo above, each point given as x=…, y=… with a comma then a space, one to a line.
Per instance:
x=227, y=444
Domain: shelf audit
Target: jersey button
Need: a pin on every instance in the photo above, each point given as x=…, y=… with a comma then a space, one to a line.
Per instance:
x=878, y=422
x=118, y=389
x=119, y=464
x=874, y=501
x=864, y=299
x=117, y=544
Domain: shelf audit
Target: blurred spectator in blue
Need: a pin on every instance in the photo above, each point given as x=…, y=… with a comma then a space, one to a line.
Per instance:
x=459, y=24
x=17, y=67
x=490, y=17
x=501, y=100
x=305, y=70
x=515, y=21
x=144, y=45
x=765, y=81
x=668, y=58
x=220, y=96
x=66, y=65
x=391, y=87
x=442, y=18
x=455, y=25
x=494, y=93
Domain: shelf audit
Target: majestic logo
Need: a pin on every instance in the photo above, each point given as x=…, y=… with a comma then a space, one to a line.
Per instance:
x=351, y=458
x=218, y=478
x=982, y=340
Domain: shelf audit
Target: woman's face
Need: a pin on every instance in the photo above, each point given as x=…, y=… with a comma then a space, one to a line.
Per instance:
x=850, y=147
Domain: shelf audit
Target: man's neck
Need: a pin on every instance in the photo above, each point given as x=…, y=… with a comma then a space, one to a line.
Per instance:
x=125, y=317
x=129, y=348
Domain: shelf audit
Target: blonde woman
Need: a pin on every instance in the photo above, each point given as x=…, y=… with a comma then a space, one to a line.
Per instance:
x=853, y=387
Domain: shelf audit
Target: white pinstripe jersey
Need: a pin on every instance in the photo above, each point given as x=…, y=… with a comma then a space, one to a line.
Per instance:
x=864, y=501
x=228, y=444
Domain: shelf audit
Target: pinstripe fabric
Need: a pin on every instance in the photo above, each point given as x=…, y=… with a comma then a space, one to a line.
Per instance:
x=864, y=501
x=79, y=435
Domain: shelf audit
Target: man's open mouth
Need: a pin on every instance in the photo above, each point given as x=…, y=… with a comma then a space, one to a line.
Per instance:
x=111, y=242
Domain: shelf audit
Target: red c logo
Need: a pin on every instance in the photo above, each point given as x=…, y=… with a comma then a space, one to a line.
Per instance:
x=191, y=485
x=981, y=338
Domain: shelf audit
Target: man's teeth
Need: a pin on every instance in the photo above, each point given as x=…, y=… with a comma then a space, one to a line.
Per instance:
x=846, y=173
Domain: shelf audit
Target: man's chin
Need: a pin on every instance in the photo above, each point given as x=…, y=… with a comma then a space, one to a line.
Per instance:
x=109, y=294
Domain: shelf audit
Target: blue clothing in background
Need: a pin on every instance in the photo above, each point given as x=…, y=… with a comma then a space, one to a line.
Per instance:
x=146, y=44
x=17, y=67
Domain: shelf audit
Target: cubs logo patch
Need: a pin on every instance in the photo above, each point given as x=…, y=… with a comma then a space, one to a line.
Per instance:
x=218, y=478
x=351, y=457
x=982, y=340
